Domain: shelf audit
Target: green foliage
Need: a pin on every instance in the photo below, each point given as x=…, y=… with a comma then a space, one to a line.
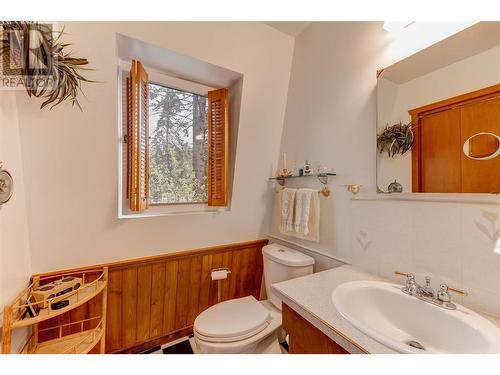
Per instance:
x=395, y=139
x=178, y=160
x=57, y=75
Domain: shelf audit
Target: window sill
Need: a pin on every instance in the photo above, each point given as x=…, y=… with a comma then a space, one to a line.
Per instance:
x=171, y=210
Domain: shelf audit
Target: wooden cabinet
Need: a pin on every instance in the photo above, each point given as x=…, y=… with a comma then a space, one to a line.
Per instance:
x=439, y=164
x=481, y=176
x=441, y=152
x=304, y=338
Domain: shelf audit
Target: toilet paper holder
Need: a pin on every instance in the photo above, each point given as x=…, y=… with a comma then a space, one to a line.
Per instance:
x=219, y=274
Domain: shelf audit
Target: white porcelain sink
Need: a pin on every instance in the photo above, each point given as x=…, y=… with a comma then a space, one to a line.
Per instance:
x=393, y=318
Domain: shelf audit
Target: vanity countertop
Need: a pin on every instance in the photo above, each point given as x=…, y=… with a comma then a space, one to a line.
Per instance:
x=311, y=297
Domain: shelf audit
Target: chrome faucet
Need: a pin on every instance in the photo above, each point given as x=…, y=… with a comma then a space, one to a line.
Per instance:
x=426, y=293
x=427, y=289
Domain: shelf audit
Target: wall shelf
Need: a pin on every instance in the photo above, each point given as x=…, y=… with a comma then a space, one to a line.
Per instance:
x=322, y=177
x=94, y=283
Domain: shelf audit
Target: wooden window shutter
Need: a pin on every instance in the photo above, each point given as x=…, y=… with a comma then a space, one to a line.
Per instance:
x=218, y=147
x=137, y=138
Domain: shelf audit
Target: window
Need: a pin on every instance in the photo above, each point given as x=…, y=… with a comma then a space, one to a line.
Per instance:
x=175, y=143
x=178, y=146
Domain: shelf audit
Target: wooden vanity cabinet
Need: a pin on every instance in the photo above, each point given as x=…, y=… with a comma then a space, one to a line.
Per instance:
x=304, y=338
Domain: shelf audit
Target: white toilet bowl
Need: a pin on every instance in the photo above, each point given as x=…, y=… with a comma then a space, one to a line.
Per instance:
x=242, y=325
x=245, y=325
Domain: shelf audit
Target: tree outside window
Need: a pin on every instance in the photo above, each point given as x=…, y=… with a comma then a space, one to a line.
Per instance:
x=178, y=140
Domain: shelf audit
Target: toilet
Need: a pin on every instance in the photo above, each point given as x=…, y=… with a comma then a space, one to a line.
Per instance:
x=245, y=325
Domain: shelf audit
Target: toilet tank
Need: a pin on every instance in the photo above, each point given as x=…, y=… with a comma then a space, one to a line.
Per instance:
x=282, y=263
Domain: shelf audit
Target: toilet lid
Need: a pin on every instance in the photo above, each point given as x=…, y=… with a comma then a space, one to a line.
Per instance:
x=237, y=318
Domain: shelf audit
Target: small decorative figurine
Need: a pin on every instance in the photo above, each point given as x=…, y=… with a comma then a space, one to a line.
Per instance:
x=307, y=167
x=395, y=187
x=285, y=172
x=353, y=188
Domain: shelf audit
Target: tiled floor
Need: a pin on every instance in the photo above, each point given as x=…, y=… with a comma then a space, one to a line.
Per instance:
x=181, y=346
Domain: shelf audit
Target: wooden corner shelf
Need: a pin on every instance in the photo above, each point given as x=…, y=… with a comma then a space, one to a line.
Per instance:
x=76, y=298
x=77, y=343
x=90, y=331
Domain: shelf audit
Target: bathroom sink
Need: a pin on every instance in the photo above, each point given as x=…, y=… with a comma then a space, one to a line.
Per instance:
x=409, y=325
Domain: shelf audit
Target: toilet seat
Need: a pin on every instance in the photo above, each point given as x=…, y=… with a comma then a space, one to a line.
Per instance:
x=265, y=341
x=231, y=339
x=232, y=320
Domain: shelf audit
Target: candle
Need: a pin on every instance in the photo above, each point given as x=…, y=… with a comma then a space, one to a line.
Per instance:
x=284, y=160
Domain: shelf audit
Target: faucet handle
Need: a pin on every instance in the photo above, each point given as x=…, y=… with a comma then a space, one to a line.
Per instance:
x=411, y=286
x=410, y=279
x=458, y=291
x=447, y=288
x=407, y=275
x=442, y=294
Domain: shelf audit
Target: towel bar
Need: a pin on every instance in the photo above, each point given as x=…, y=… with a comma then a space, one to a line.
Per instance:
x=322, y=177
x=325, y=191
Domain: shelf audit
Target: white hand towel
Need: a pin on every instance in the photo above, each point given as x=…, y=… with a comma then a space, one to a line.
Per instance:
x=307, y=215
x=302, y=206
x=287, y=205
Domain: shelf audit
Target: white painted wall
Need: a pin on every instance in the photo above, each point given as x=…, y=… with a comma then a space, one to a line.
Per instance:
x=331, y=119
x=15, y=261
x=70, y=157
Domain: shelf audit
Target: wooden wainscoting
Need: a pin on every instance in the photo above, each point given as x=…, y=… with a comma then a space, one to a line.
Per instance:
x=156, y=299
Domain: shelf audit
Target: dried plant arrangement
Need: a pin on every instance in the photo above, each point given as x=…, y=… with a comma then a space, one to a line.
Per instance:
x=395, y=139
x=55, y=75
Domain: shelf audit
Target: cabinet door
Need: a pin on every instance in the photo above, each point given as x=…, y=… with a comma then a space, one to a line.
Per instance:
x=480, y=176
x=441, y=152
x=304, y=338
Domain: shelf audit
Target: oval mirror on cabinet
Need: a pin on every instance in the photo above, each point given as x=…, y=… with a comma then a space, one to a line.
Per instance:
x=482, y=146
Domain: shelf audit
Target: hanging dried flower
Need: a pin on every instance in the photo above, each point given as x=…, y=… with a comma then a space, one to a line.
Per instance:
x=395, y=139
x=47, y=71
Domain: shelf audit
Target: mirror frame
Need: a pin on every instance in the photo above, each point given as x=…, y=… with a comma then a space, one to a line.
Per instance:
x=465, y=147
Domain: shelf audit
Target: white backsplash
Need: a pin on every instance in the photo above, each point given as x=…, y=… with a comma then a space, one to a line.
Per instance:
x=451, y=242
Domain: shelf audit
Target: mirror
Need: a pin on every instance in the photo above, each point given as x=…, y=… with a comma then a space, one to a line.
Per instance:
x=482, y=146
x=438, y=117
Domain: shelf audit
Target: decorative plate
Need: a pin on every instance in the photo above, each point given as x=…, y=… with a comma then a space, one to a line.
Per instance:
x=6, y=186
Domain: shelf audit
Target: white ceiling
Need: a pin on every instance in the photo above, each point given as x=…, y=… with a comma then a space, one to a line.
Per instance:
x=290, y=28
x=469, y=42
